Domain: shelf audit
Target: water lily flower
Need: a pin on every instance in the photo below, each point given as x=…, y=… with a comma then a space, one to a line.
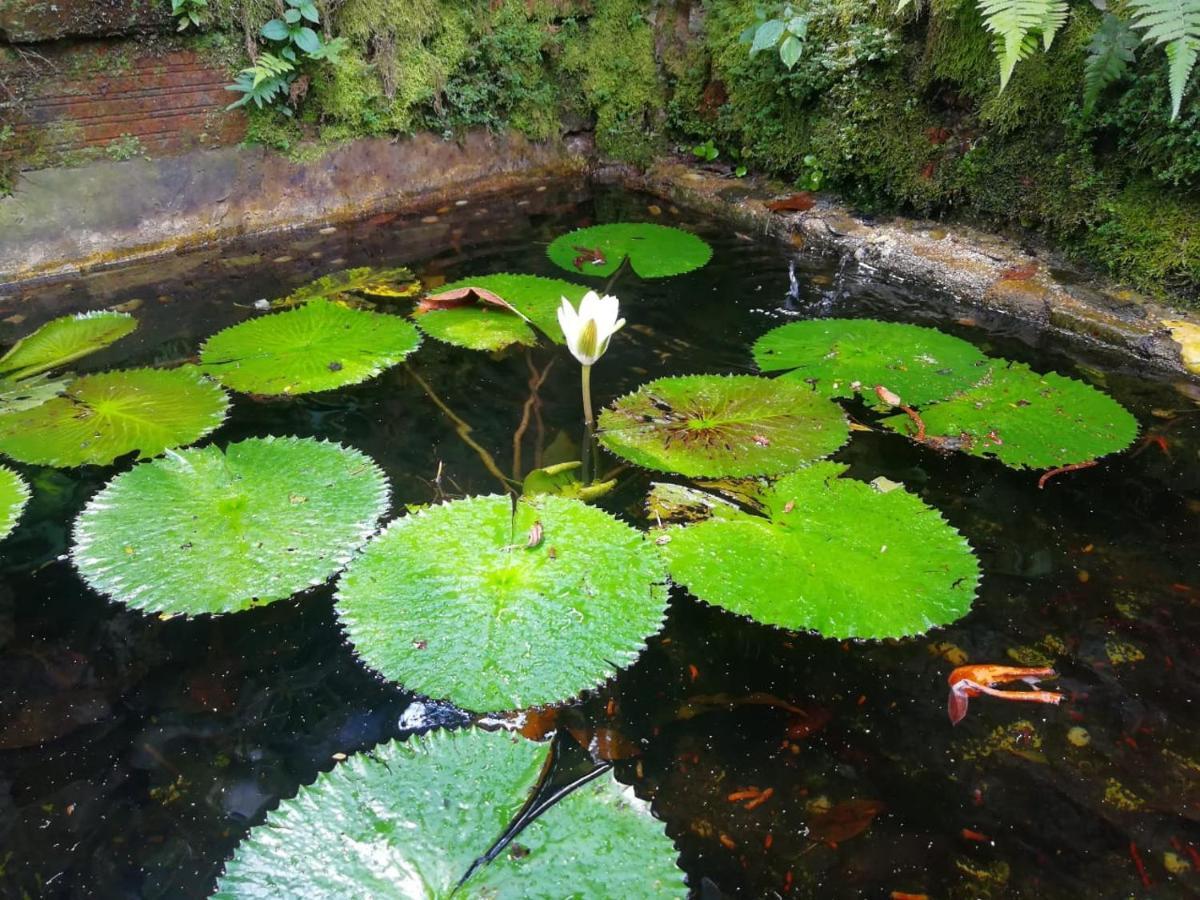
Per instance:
x=971, y=681
x=588, y=332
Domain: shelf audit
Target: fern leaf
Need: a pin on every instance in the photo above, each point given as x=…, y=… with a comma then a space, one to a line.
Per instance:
x=1015, y=22
x=1175, y=23
x=1109, y=56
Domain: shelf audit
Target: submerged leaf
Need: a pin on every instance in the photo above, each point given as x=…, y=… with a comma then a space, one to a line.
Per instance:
x=408, y=819
x=845, y=357
x=563, y=480
x=102, y=417
x=62, y=341
x=654, y=251
x=14, y=494
x=715, y=425
x=30, y=392
x=498, y=610
x=1025, y=419
x=315, y=347
x=830, y=555
x=391, y=283
x=533, y=298
x=202, y=531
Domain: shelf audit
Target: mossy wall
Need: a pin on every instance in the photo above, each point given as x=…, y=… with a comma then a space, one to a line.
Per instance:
x=895, y=112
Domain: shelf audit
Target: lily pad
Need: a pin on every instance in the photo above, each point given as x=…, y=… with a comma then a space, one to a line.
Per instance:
x=408, y=820
x=315, y=347
x=718, y=425
x=844, y=357
x=830, y=555
x=1027, y=420
x=498, y=609
x=64, y=340
x=204, y=531
x=654, y=251
x=101, y=417
x=534, y=297
x=30, y=392
x=14, y=494
x=370, y=282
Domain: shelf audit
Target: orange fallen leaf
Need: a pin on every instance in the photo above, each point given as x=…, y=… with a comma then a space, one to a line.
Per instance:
x=801, y=202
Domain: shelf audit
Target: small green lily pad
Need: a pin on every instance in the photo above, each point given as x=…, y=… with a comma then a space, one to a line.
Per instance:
x=101, y=417
x=844, y=357
x=723, y=425
x=534, y=297
x=204, y=531
x=495, y=609
x=1027, y=420
x=64, y=340
x=27, y=393
x=370, y=282
x=14, y=494
x=319, y=346
x=829, y=555
x=409, y=818
x=654, y=251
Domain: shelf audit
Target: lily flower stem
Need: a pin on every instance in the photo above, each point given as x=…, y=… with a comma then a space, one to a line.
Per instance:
x=616, y=274
x=588, y=420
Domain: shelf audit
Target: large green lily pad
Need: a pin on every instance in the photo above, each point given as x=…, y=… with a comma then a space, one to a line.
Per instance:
x=844, y=357
x=101, y=417
x=408, y=820
x=718, y=425
x=369, y=282
x=315, y=347
x=205, y=531
x=14, y=494
x=63, y=341
x=478, y=327
x=830, y=555
x=654, y=251
x=467, y=601
x=1027, y=420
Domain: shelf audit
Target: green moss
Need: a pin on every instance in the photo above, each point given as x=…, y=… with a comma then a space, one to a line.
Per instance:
x=613, y=61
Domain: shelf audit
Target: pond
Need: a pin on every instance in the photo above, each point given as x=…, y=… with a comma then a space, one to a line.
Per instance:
x=137, y=750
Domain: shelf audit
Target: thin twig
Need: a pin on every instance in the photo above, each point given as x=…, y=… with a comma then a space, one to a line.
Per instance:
x=463, y=430
x=536, y=380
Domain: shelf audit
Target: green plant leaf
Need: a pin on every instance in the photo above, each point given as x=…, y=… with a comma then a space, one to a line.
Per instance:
x=534, y=297
x=370, y=282
x=62, y=341
x=1109, y=54
x=715, y=425
x=654, y=251
x=476, y=327
x=204, y=531
x=1027, y=420
x=275, y=30
x=14, y=494
x=562, y=480
x=315, y=347
x=30, y=392
x=102, y=417
x=466, y=601
x=790, y=51
x=409, y=818
x=830, y=555
x=767, y=36
x=833, y=355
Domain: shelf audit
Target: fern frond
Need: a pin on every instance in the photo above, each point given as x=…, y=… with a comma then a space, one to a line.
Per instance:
x=1175, y=23
x=1015, y=22
x=1109, y=56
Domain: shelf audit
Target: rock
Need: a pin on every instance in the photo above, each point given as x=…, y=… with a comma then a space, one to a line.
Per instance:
x=27, y=21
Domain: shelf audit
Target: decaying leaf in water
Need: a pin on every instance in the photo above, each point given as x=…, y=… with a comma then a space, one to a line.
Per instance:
x=844, y=821
x=465, y=296
x=800, y=202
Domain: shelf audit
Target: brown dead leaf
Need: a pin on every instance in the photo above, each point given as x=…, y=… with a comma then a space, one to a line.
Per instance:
x=464, y=296
x=801, y=202
x=844, y=821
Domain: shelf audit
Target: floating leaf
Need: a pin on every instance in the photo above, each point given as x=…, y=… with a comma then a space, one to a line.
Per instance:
x=64, y=340
x=716, y=425
x=563, y=480
x=830, y=555
x=654, y=251
x=408, y=820
x=370, y=282
x=14, y=494
x=677, y=503
x=30, y=392
x=535, y=298
x=495, y=610
x=104, y=416
x=834, y=355
x=202, y=531
x=315, y=347
x=1025, y=419
x=476, y=327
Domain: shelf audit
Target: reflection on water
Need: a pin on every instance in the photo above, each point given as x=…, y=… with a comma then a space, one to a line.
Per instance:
x=135, y=752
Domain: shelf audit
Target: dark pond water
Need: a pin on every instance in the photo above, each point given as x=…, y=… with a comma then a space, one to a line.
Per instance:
x=135, y=752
